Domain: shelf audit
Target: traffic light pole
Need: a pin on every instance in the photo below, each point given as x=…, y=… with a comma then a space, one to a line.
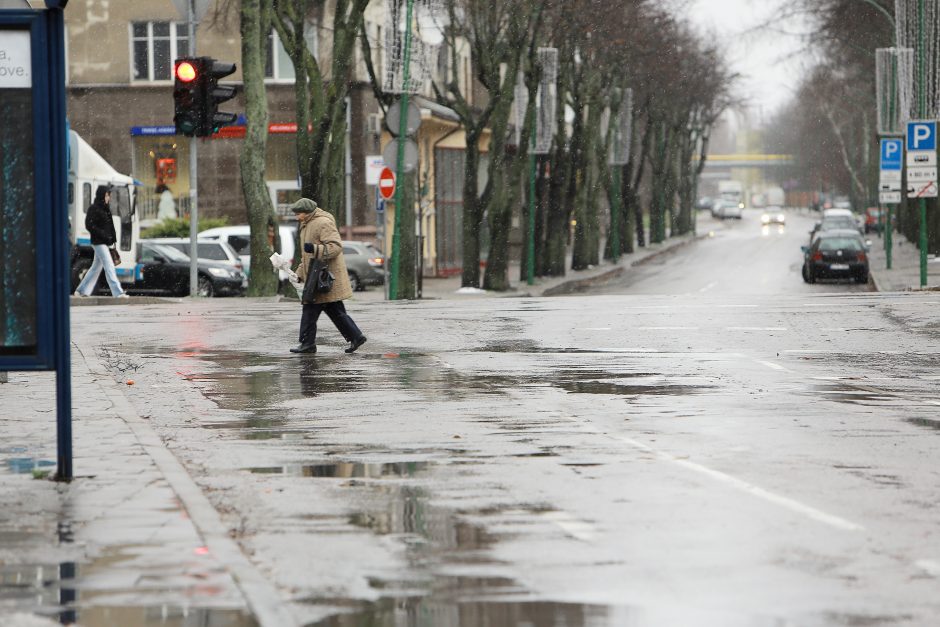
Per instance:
x=193, y=178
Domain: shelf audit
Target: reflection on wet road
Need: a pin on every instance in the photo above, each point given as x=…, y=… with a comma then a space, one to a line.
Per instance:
x=714, y=460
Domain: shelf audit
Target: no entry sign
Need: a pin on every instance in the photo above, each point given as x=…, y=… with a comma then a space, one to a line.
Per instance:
x=387, y=183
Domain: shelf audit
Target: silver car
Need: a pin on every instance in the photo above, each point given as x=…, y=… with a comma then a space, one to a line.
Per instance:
x=365, y=265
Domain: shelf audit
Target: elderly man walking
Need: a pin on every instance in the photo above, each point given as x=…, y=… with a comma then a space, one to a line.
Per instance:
x=319, y=239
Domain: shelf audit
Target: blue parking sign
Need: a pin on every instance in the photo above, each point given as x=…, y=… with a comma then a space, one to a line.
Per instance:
x=892, y=154
x=921, y=135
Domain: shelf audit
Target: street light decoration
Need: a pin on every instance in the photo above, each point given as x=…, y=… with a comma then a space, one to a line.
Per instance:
x=622, y=131
x=894, y=83
x=547, y=100
x=917, y=24
x=427, y=34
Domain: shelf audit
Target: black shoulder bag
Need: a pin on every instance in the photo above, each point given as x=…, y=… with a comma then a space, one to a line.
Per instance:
x=319, y=280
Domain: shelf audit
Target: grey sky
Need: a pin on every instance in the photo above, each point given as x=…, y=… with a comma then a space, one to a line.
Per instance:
x=771, y=74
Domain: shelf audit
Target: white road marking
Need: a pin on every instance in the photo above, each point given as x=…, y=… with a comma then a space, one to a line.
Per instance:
x=739, y=484
x=598, y=329
x=755, y=328
x=737, y=306
x=772, y=365
x=931, y=567
x=708, y=287
x=574, y=527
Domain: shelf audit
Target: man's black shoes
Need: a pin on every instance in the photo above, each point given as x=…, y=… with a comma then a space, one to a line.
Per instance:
x=304, y=348
x=356, y=343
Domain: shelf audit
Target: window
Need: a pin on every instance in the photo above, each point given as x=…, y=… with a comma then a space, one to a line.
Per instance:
x=277, y=63
x=154, y=46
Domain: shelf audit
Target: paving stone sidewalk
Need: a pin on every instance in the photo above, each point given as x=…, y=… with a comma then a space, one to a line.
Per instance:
x=904, y=274
x=125, y=543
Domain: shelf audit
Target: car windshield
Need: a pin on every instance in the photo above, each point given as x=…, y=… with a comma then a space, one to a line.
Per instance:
x=151, y=251
x=840, y=243
x=830, y=224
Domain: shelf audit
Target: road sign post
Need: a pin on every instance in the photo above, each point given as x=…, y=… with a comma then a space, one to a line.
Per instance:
x=889, y=188
x=922, y=176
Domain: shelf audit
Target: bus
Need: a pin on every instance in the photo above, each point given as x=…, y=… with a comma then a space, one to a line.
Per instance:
x=88, y=170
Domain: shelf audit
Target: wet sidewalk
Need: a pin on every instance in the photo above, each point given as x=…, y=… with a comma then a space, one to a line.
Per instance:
x=132, y=540
x=904, y=274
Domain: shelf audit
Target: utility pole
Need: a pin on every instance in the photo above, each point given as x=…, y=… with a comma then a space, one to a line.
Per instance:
x=193, y=178
x=530, y=239
x=922, y=113
x=400, y=164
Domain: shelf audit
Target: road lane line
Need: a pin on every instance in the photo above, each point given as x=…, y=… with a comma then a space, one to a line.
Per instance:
x=931, y=567
x=772, y=365
x=708, y=287
x=739, y=484
x=749, y=488
x=755, y=328
x=574, y=527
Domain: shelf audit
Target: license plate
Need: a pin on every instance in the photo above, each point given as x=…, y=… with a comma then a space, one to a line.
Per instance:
x=839, y=266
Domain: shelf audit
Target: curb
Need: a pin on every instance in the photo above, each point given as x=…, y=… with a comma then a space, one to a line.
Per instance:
x=261, y=597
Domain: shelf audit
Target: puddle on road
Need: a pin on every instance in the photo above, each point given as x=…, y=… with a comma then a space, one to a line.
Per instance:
x=924, y=422
x=345, y=470
x=848, y=394
x=435, y=612
x=55, y=592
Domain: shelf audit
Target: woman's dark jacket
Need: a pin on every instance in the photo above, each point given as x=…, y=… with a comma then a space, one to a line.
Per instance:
x=98, y=221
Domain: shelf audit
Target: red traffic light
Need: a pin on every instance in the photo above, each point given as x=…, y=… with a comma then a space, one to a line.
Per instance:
x=186, y=72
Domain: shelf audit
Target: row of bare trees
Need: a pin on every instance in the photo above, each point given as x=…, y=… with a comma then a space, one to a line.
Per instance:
x=680, y=86
x=830, y=126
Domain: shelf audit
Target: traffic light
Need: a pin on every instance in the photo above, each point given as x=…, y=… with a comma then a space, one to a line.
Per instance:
x=188, y=97
x=216, y=94
x=197, y=95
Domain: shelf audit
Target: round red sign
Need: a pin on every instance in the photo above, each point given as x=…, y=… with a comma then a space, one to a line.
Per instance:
x=387, y=183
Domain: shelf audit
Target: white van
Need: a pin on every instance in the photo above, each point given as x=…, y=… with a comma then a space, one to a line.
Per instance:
x=239, y=238
x=88, y=170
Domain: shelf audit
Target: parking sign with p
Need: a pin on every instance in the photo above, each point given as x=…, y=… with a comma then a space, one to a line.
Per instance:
x=892, y=154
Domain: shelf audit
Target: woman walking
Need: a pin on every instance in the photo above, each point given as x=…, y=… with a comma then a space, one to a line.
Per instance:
x=100, y=227
x=319, y=239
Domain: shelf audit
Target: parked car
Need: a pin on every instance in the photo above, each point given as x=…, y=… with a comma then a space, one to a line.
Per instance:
x=836, y=254
x=773, y=215
x=364, y=263
x=207, y=250
x=873, y=216
x=834, y=223
x=239, y=238
x=731, y=210
x=705, y=203
x=161, y=269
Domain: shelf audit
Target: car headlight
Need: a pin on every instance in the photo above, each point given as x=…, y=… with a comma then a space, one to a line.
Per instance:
x=765, y=219
x=782, y=218
x=219, y=272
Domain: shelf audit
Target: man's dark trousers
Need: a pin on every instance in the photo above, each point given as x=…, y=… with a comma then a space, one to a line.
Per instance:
x=337, y=313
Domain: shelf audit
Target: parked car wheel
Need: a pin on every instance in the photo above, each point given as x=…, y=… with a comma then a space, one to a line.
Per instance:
x=862, y=278
x=355, y=283
x=805, y=274
x=204, y=287
x=79, y=269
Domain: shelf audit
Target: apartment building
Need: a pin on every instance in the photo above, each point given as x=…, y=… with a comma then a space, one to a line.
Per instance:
x=120, y=62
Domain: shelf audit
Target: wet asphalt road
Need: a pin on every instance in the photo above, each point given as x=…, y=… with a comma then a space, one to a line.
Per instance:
x=741, y=257
x=660, y=455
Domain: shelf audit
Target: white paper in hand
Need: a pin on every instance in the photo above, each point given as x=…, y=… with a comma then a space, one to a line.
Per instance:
x=281, y=262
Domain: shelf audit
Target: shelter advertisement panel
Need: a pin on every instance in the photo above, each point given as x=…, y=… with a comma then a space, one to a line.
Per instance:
x=18, y=309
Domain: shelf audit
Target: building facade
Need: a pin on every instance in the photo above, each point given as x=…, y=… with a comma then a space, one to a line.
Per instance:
x=120, y=99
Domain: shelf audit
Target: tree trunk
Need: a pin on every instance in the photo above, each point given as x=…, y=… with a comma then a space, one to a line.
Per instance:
x=255, y=25
x=472, y=218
